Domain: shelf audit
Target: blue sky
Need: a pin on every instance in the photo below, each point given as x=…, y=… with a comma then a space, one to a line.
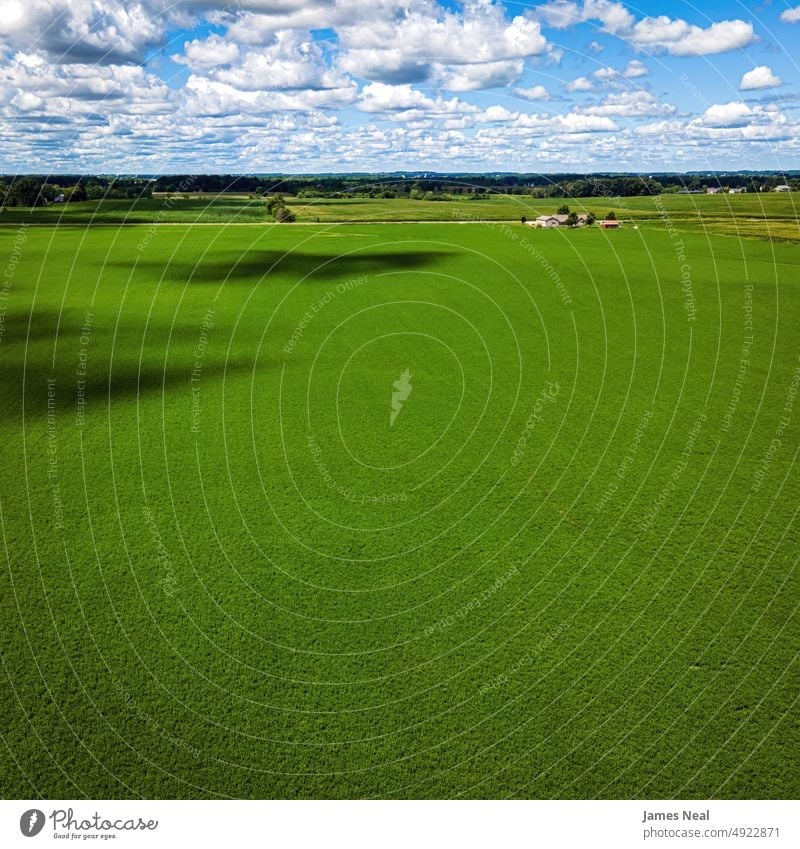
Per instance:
x=334, y=85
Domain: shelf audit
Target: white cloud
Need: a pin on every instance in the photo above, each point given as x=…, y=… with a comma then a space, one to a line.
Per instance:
x=791, y=16
x=734, y=114
x=634, y=69
x=579, y=84
x=569, y=123
x=737, y=122
x=682, y=39
x=29, y=84
x=290, y=62
x=760, y=77
x=478, y=76
x=672, y=35
x=536, y=92
x=74, y=88
x=496, y=114
x=605, y=73
x=392, y=65
x=206, y=96
x=97, y=31
x=478, y=47
x=559, y=14
x=630, y=104
x=208, y=53
x=573, y=123
x=614, y=17
x=661, y=128
x=408, y=103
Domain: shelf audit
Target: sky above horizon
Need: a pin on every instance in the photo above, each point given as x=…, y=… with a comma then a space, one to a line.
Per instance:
x=301, y=86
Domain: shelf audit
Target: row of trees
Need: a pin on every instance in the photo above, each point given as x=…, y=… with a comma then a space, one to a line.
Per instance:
x=276, y=207
x=33, y=190
x=30, y=192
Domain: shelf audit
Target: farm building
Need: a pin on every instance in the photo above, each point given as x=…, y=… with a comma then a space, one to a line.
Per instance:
x=555, y=221
x=783, y=188
x=545, y=221
x=610, y=224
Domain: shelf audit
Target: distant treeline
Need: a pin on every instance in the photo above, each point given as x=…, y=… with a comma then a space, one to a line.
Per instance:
x=433, y=187
x=36, y=190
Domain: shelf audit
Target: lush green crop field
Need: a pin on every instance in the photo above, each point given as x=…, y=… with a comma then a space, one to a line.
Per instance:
x=771, y=215
x=567, y=568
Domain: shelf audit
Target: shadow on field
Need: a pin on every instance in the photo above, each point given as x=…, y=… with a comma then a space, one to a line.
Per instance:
x=27, y=365
x=306, y=267
x=126, y=381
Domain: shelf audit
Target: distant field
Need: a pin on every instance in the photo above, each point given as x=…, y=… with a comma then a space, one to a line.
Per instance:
x=560, y=561
x=141, y=211
x=769, y=215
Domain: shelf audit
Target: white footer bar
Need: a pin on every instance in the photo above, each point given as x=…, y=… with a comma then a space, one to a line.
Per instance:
x=401, y=825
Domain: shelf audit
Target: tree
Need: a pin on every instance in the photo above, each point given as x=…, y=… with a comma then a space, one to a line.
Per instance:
x=274, y=202
x=283, y=215
x=276, y=207
x=563, y=210
x=590, y=218
x=76, y=193
x=524, y=220
x=26, y=191
x=572, y=219
x=611, y=216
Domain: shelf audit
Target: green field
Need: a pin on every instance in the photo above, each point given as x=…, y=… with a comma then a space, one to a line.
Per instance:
x=568, y=567
x=772, y=215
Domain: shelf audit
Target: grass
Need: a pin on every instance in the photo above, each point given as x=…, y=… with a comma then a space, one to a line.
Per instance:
x=772, y=215
x=567, y=570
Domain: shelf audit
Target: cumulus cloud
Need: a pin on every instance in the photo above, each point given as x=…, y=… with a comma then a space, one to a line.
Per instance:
x=213, y=97
x=408, y=103
x=291, y=61
x=31, y=85
x=736, y=121
x=208, y=53
x=682, y=39
x=631, y=104
x=606, y=73
x=572, y=122
x=536, y=92
x=559, y=14
x=760, y=77
x=476, y=47
x=634, y=69
x=618, y=78
x=734, y=114
x=496, y=114
x=791, y=16
x=661, y=128
x=392, y=65
x=579, y=84
x=98, y=31
x=478, y=76
x=263, y=86
x=654, y=34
